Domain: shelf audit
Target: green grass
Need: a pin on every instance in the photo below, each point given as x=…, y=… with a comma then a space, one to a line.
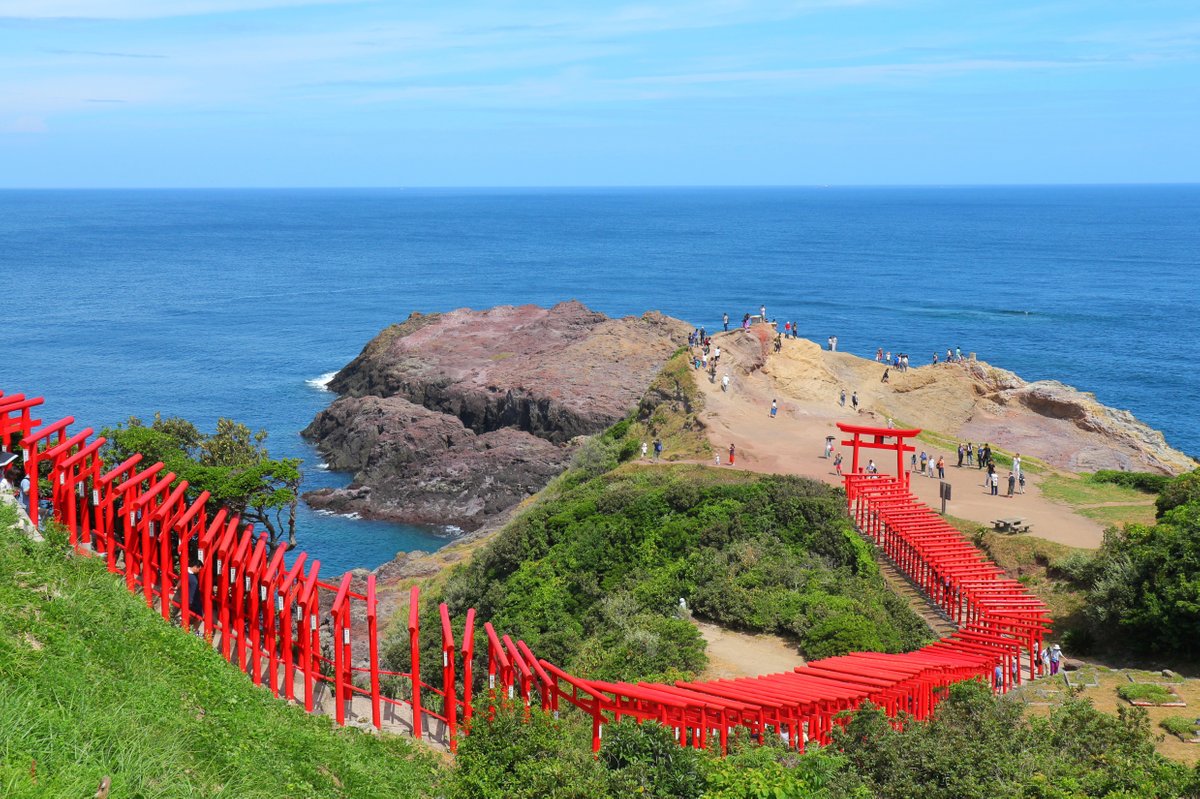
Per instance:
x=95, y=684
x=1184, y=727
x=1146, y=692
x=1082, y=491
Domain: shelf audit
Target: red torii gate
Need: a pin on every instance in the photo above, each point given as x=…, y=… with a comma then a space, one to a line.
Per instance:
x=880, y=436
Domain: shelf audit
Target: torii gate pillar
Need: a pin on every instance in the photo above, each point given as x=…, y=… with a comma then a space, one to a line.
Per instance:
x=879, y=439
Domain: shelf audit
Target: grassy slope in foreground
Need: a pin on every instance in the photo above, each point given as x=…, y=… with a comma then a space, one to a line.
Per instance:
x=93, y=683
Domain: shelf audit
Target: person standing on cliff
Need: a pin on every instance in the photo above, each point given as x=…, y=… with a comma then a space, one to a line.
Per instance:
x=762, y=310
x=725, y=321
x=732, y=454
x=774, y=408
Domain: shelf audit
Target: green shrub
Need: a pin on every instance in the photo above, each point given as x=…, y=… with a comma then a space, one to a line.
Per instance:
x=1149, y=482
x=1185, y=727
x=1146, y=692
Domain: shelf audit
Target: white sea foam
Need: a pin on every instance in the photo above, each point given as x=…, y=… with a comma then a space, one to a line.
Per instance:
x=321, y=383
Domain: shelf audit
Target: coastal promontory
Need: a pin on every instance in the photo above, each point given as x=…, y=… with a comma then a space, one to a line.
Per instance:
x=453, y=418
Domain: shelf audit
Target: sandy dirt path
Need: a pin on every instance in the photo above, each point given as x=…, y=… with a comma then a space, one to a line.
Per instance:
x=793, y=443
x=733, y=654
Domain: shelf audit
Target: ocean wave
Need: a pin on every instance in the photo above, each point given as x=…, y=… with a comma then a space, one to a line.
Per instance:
x=321, y=383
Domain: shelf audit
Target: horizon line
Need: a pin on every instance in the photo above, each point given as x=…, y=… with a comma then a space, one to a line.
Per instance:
x=606, y=186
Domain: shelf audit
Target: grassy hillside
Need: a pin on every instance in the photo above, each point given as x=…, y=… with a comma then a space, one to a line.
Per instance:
x=591, y=575
x=94, y=684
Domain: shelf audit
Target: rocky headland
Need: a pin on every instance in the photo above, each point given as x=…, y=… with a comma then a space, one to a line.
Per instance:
x=454, y=418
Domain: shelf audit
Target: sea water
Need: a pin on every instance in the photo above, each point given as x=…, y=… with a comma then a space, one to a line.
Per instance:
x=242, y=304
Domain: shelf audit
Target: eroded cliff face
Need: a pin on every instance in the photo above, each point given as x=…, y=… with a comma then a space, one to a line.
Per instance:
x=454, y=418
x=978, y=402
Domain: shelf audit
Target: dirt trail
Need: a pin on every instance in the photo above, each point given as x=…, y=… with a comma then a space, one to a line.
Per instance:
x=733, y=654
x=793, y=442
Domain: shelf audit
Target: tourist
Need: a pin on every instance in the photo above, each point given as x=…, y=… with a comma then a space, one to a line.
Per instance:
x=24, y=495
x=995, y=484
x=6, y=488
x=658, y=447
x=837, y=464
x=716, y=459
x=725, y=321
x=195, y=597
x=924, y=461
x=887, y=357
x=913, y=468
x=725, y=382
x=829, y=341
x=1055, y=657
x=1021, y=483
x=929, y=469
x=778, y=342
x=762, y=311
x=871, y=467
x=1045, y=659
x=961, y=452
x=949, y=356
x=716, y=354
x=958, y=354
x=834, y=347
x=941, y=467
x=732, y=454
x=854, y=400
x=1017, y=464
x=828, y=447
x=842, y=398
x=787, y=329
x=1012, y=484
x=879, y=355
x=884, y=379
x=645, y=448
x=998, y=677
x=987, y=477
x=890, y=424
x=935, y=359
x=774, y=408
x=970, y=454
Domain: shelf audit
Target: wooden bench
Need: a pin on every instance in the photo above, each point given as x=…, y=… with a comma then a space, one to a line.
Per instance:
x=1010, y=526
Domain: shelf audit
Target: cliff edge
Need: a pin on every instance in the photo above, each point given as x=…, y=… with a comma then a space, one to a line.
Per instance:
x=453, y=418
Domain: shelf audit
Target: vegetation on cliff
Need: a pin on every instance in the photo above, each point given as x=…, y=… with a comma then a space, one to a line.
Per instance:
x=592, y=575
x=976, y=746
x=95, y=685
x=232, y=464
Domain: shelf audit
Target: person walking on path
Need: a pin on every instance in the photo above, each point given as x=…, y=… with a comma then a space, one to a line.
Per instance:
x=842, y=398
x=884, y=379
x=644, y=449
x=1017, y=464
x=725, y=321
x=732, y=454
x=837, y=464
x=24, y=489
x=1012, y=484
x=941, y=467
x=657, y=448
x=854, y=400
x=1055, y=658
x=774, y=408
x=871, y=467
x=987, y=477
x=725, y=382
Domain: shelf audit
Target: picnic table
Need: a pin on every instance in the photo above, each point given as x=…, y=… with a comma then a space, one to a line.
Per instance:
x=1013, y=525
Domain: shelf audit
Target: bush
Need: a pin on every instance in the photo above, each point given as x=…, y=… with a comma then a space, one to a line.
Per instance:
x=1182, y=490
x=1146, y=692
x=1148, y=482
x=1181, y=726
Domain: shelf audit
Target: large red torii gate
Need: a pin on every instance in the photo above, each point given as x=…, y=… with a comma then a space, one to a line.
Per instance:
x=880, y=436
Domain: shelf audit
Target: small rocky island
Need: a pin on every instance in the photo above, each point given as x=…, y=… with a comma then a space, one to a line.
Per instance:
x=454, y=418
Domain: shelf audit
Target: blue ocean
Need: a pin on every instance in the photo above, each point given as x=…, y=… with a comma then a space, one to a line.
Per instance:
x=239, y=303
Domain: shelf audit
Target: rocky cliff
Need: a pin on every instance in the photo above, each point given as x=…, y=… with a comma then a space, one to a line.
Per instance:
x=453, y=418
x=978, y=402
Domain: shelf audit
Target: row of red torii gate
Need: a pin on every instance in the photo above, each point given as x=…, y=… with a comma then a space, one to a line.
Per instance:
x=272, y=614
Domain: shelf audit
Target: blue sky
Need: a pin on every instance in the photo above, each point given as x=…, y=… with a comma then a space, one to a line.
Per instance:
x=463, y=93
